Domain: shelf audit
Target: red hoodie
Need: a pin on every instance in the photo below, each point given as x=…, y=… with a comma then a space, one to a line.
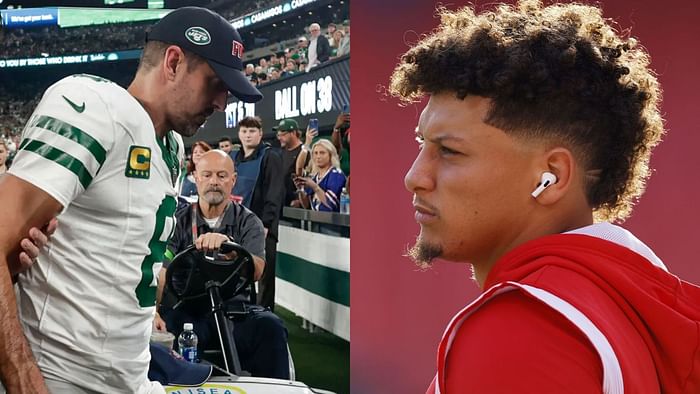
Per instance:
x=640, y=320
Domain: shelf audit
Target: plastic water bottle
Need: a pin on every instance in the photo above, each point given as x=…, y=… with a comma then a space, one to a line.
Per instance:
x=187, y=343
x=345, y=202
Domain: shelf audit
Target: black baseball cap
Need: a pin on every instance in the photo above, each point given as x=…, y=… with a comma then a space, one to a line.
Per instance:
x=210, y=36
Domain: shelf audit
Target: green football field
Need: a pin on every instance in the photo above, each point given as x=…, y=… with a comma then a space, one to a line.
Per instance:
x=321, y=359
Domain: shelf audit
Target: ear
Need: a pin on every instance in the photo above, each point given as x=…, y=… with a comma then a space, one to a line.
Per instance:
x=173, y=59
x=561, y=162
x=234, y=177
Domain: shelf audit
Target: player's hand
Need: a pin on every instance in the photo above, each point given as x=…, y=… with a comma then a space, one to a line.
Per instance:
x=210, y=241
x=32, y=246
x=159, y=324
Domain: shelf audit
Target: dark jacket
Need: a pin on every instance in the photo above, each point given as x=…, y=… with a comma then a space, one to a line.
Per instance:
x=269, y=189
x=323, y=49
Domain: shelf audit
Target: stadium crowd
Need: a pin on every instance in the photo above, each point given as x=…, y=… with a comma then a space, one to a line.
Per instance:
x=287, y=57
x=295, y=59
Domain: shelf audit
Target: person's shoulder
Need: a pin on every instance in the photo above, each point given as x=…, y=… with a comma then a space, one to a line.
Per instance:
x=86, y=82
x=518, y=336
x=240, y=212
x=243, y=216
x=337, y=173
x=84, y=98
x=506, y=308
x=271, y=154
x=183, y=210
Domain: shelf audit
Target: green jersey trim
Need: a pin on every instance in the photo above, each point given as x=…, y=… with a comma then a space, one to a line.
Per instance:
x=59, y=157
x=169, y=149
x=75, y=134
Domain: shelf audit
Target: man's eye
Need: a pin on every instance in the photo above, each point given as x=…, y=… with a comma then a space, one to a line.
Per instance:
x=447, y=151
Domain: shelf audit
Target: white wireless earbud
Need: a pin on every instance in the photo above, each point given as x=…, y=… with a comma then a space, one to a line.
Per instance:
x=547, y=180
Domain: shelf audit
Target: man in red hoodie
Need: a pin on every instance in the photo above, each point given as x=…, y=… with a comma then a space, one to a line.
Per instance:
x=537, y=137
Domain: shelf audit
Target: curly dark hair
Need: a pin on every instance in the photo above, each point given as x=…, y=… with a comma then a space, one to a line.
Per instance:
x=560, y=73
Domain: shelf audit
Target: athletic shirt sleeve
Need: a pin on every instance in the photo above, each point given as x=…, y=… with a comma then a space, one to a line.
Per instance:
x=515, y=344
x=334, y=186
x=66, y=140
x=336, y=182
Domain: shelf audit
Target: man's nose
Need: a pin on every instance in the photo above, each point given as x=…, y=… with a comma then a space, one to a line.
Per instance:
x=421, y=174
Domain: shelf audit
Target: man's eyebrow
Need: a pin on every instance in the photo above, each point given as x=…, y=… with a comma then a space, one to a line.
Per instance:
x=438, y=138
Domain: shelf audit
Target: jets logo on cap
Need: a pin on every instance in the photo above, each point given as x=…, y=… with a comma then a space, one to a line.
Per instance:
x=198, y=35
x=237, y=49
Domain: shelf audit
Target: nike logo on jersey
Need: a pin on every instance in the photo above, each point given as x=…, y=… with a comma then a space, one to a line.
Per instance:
x=78, y=108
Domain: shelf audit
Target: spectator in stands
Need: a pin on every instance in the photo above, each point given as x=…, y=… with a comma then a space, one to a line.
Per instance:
x=344, y=47
x=3, y=156
x=330, y=33
x=249, y=70
x=281, y=59
x=226, y=144
x=274, y=74
x=55, y=40
x=322, y=190
x=319, y=50
x=304, y=157
x=288, y=134
x=341, y=140
x=260, y=183
x=258, y=70
x=262, y=78
x=302, y=49
x=189, y=187
x=290, y=68
x=335, y=44
x=263, y=65
x=259, y=335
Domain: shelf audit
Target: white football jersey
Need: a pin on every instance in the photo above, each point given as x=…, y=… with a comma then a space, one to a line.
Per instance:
x=87, y=306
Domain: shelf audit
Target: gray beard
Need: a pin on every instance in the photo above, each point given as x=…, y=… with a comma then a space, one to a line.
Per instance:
x=214, y=198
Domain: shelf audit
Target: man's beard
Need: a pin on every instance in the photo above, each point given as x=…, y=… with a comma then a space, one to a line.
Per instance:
x=185, y=129
x=423, y=253
x=214, y=197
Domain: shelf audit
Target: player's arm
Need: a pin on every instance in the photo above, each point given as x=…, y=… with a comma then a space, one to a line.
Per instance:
x=516, y=344
x=23, y=206
x=64, y=144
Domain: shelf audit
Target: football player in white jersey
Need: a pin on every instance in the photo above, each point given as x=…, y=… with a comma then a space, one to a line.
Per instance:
x=107, y=160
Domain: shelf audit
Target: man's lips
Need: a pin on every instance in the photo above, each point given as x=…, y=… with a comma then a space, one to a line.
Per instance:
x=424, y=213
